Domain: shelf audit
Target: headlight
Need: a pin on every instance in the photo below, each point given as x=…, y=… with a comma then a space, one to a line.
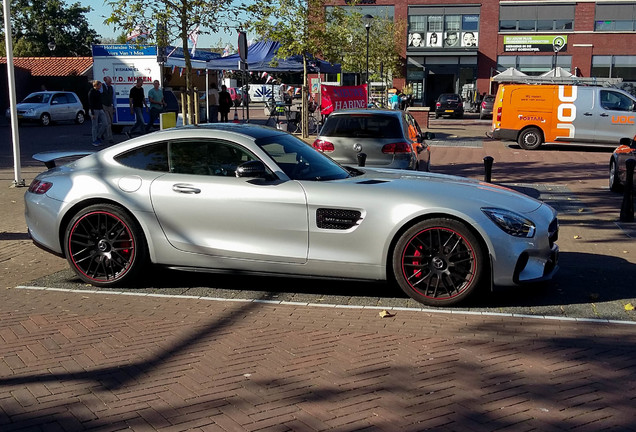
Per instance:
x=512, y=223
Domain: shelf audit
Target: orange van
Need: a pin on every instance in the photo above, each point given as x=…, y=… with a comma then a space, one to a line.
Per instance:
x=534, y=114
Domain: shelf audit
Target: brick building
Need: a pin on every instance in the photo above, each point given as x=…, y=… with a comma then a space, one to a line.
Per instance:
x=458, y=46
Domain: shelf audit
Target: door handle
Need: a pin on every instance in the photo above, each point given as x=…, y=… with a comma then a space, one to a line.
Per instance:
x=185, y=189
x=587, y=114
x=604, y=115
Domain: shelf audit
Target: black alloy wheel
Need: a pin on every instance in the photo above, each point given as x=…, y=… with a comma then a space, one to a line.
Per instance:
x=105, y=246
x=438, y=262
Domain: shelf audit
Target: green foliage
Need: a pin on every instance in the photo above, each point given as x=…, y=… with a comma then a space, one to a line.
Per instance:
x=36, y=23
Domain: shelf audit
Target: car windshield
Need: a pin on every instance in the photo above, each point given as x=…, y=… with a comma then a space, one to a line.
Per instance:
x=37, y=98
x=299, y=161
x=362, y=126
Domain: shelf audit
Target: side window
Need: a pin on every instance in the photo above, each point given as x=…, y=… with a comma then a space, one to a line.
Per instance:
x=148, y=158
x=210, y=158
x=58, y=99
x=70, y=98
x=616, y=101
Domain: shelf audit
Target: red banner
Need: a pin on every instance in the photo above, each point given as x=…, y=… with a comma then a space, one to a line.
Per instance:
x=334, y=98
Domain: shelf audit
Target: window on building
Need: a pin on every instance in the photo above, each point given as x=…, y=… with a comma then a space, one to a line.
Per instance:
x=536, y=18
x=615, y=17
x=443, y=27
x=614, y=67
x=534, y=65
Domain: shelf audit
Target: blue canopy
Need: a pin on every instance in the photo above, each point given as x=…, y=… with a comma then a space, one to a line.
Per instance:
x=260, y=56
x=175, y=57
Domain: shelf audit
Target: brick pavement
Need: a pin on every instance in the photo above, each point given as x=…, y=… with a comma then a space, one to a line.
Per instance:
x=103, y=361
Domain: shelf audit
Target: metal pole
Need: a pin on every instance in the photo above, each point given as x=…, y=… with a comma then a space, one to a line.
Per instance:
x=368, y=89
x=17, y=180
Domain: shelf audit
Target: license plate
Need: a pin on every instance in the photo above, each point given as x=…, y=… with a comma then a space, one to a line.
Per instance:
x=450, y=110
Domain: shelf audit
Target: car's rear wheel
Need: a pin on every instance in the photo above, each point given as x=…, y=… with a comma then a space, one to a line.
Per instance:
x=614, y=180
x=438, y=262
x=105, y=246
x=45, y=119
x=530, y=139
x=80, y=118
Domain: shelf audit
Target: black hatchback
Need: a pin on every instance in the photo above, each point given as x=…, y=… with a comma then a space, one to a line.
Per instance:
x=449, y=104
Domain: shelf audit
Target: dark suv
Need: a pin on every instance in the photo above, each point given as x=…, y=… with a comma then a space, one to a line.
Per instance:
x=449, y=104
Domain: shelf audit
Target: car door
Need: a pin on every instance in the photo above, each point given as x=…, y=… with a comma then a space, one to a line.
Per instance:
x=204, y=208
x=616, y=119
x=59, y=107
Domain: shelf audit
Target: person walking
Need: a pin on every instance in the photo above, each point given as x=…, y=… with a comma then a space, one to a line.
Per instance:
x=98, y=117
x=157, y=102
x=225, y=102
x=108, y=97
x=213, y=103
x=137, y=101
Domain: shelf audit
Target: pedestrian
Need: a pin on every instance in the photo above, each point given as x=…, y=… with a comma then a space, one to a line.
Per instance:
x=108, y=97
x=394, y=100
x=157, y=103
x=137, y=102
x=98, y=118
x=225, y=102
x=213, y=103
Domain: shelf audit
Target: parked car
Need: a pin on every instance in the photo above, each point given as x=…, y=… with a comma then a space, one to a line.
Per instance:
x=485, y=108
x=449, y=104
x=46, y=107
x=247, y=198
x=238, y=98
x=388, y=139
x=617, y=167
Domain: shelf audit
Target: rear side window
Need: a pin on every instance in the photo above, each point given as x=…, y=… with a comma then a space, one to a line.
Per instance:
x=362, y=126
x=148, y=158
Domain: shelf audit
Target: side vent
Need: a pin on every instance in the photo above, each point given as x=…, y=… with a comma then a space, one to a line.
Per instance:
x=337, y=218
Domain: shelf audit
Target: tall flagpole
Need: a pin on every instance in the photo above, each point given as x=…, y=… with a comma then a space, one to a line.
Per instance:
x=17, y=180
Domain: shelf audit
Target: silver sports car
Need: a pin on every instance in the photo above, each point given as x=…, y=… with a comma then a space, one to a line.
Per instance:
x=238, y=197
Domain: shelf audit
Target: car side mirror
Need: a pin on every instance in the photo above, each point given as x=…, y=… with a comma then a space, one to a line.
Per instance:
x=627, y=141
x=252, y=169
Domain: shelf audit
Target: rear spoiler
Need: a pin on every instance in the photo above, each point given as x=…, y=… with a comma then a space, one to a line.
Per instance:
x=50, y=157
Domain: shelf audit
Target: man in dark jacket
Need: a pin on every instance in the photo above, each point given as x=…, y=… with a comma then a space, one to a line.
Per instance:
x=137, y=102
x=96, y=110
x=225, y=102
x=108, y=96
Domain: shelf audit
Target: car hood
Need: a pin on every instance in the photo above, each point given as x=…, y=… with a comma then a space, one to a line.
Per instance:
x=26, y=106
x=449, y=187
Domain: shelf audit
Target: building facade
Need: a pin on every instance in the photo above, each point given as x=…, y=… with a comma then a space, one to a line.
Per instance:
x=457, y=46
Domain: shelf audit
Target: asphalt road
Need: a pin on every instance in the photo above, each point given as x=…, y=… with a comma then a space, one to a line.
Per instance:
x=598, y=253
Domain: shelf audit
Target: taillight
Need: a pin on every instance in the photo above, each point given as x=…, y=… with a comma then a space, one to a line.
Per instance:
x=39, y=187
x=499, y=114
x=323, y=146
x=483, y=104
x=438, y=104
x=460, y=105
x=398, y=147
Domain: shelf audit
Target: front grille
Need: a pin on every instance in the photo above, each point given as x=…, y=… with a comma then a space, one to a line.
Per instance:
x=553, y=232
x=337, y=218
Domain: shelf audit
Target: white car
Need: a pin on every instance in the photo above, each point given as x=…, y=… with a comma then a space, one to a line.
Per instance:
x=46, y=107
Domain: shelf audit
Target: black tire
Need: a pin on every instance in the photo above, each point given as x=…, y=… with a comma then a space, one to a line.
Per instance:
x=530, y=139
x=105, y=246
x=614, y=179
x=80, y=118
x=45, y=119
x=439, y=262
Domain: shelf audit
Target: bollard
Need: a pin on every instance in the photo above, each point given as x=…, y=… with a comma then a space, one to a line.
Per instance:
x=488, y=160
x=362, y=159
x=627, y=207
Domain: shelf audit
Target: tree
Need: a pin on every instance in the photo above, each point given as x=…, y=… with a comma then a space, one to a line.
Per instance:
x=167, y=20
x=38, y=23
x=298, y=25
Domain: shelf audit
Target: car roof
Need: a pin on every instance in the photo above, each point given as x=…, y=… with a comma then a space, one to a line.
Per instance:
x=367, y=112
x=253, y=130
x=50, y=92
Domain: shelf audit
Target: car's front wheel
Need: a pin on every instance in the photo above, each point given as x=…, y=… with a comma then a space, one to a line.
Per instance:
x=614, y=180
x=105, y=246
x=45, y=119
x=439, y=262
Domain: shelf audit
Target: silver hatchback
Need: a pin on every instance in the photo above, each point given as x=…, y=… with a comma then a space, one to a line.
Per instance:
x=50, y=106
x=375, y=138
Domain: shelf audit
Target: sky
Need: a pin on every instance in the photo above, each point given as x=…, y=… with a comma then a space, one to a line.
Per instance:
x=101, y=10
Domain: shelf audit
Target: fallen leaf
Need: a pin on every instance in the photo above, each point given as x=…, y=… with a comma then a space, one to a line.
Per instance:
x=629, y=306
x=386, y=314
x=577, y=237
x=581, y=210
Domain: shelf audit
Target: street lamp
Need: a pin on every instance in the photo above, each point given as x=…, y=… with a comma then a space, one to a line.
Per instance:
x=367, y=24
